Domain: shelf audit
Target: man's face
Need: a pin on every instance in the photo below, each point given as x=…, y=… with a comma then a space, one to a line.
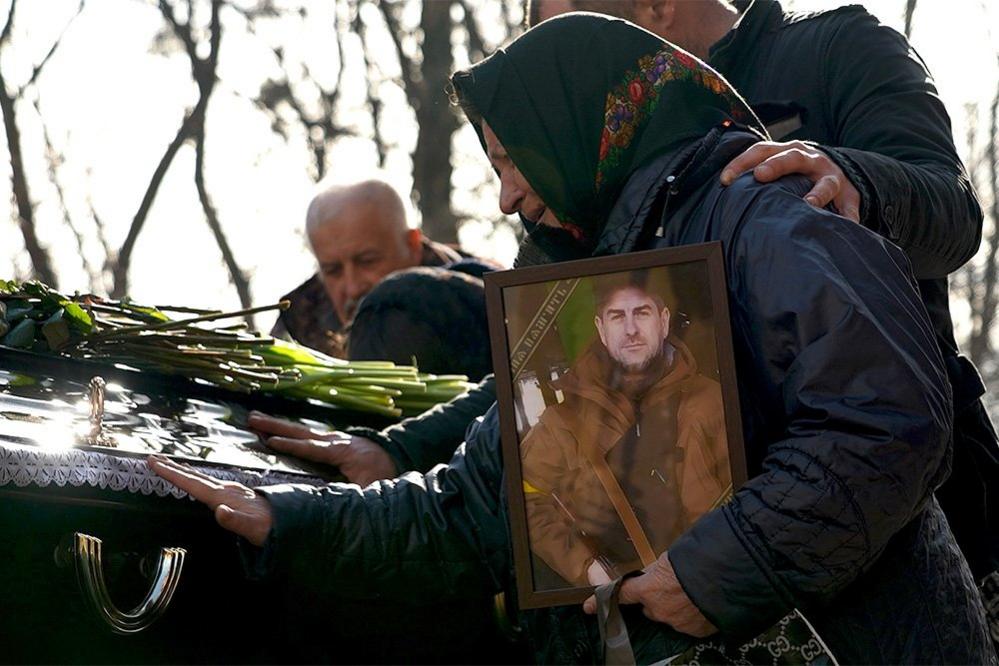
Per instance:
x=551, y=8
x=632, y=328
x=639, y=13
x=357, y=249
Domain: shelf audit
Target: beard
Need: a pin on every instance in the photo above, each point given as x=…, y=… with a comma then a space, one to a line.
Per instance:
x=634, y=379
x=639, y=366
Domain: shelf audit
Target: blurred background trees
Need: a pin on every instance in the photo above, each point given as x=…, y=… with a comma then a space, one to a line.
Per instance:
x=167, y=149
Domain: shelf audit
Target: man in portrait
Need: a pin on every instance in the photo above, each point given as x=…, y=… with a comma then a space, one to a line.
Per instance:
x=635, y=452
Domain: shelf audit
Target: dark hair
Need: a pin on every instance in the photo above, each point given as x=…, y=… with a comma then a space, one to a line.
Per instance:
x=434, y=315
x=605, y=287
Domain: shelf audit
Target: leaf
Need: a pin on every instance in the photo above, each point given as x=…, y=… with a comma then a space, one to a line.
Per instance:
x=78, y=317
x=142, y=309
x=285, y=353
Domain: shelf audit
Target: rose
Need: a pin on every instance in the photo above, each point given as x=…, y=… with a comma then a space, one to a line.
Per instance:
x=636, y=91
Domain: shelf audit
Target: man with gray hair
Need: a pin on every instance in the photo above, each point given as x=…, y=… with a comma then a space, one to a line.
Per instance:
x=358, y=234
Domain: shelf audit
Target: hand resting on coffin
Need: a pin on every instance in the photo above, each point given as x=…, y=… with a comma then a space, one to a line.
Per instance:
x=237, y=508
x=361, y=460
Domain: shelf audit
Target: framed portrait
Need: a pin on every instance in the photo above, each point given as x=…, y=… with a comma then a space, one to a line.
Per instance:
x=618, y=408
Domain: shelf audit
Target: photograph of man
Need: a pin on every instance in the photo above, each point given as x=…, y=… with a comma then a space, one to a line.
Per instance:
x=634, y=453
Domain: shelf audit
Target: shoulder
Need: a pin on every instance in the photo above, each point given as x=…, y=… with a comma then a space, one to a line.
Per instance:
x=702, y=391
x=845, y=30
x=823, y=19
x=772, y=222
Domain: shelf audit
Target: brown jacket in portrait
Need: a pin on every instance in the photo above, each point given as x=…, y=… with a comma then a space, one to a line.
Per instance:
x=573, y=497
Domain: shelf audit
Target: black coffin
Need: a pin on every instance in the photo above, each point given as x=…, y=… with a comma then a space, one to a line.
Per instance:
x=57, y=491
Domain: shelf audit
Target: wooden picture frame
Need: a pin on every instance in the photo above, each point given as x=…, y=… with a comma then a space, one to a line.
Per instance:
x=565, y=377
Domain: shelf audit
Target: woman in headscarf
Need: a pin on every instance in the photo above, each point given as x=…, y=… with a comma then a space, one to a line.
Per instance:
x=607, y=140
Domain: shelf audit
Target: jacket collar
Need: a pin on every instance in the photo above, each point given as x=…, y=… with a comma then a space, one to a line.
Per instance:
x=588, y=381
x=683, y=171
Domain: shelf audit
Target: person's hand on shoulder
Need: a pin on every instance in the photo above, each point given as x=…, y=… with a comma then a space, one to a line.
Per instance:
x=770, y=160
x=361, y=460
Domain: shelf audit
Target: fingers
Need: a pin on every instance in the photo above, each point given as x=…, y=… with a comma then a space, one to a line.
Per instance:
x=245, y=525
x=848, y=202
x=270, y=425
x=786, y=162
x=632, y=589
x=199, y=486
x=310, y=449
x=749, y=159
x=824, y=191
x=630, y=593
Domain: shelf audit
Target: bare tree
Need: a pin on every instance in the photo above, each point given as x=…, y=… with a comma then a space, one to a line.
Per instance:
x=40, y=259
x=979, y=280
x=317, y=120
x=910, y=10
x=192, y=128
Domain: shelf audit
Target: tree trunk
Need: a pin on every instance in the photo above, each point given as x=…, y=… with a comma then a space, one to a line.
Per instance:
x=40, y=259
x=910, y=9
x=980, y=346
x=437, y=122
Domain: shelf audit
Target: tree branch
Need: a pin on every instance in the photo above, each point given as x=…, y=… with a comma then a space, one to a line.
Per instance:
x=910, y=9
x=476, y=46
x=122, y=262
x=5, y=34
x=55, y=45
x=182, y=30
x=40, y=259
x=52, y=158
x=406, y=66
x=204, y=76
x=374, y=102
x=981, y=343
x=236, y=274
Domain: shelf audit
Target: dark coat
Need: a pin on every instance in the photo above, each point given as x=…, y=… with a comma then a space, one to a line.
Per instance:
x=847, y=420
x=434, y=318
x=842, y=79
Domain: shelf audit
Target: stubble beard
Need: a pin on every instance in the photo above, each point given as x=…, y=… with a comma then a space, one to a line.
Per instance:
x=638, y=368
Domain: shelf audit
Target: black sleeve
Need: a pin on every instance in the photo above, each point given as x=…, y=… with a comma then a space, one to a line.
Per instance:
x=442, y=533
x=891, y=134
x=855, y=431
x=421, y=442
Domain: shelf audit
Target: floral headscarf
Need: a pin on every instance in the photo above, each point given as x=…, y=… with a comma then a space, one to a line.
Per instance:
x=582, y=100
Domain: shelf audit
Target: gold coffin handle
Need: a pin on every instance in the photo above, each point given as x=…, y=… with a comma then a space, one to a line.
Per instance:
x=90, y=576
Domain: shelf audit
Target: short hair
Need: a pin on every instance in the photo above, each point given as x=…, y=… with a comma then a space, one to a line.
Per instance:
x=606, y=287
x=624, y=9
x=331, y=198
x=433, y=315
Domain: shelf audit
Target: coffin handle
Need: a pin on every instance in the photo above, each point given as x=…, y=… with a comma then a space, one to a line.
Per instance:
x=90, y=576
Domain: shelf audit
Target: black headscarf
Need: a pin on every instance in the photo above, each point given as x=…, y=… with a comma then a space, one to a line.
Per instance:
x=582, y=100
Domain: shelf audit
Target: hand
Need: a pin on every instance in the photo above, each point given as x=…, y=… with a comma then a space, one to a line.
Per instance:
x=360, y=460
x=663, y=599
x=237, y=508
x=596, y=574
x=770, y=160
